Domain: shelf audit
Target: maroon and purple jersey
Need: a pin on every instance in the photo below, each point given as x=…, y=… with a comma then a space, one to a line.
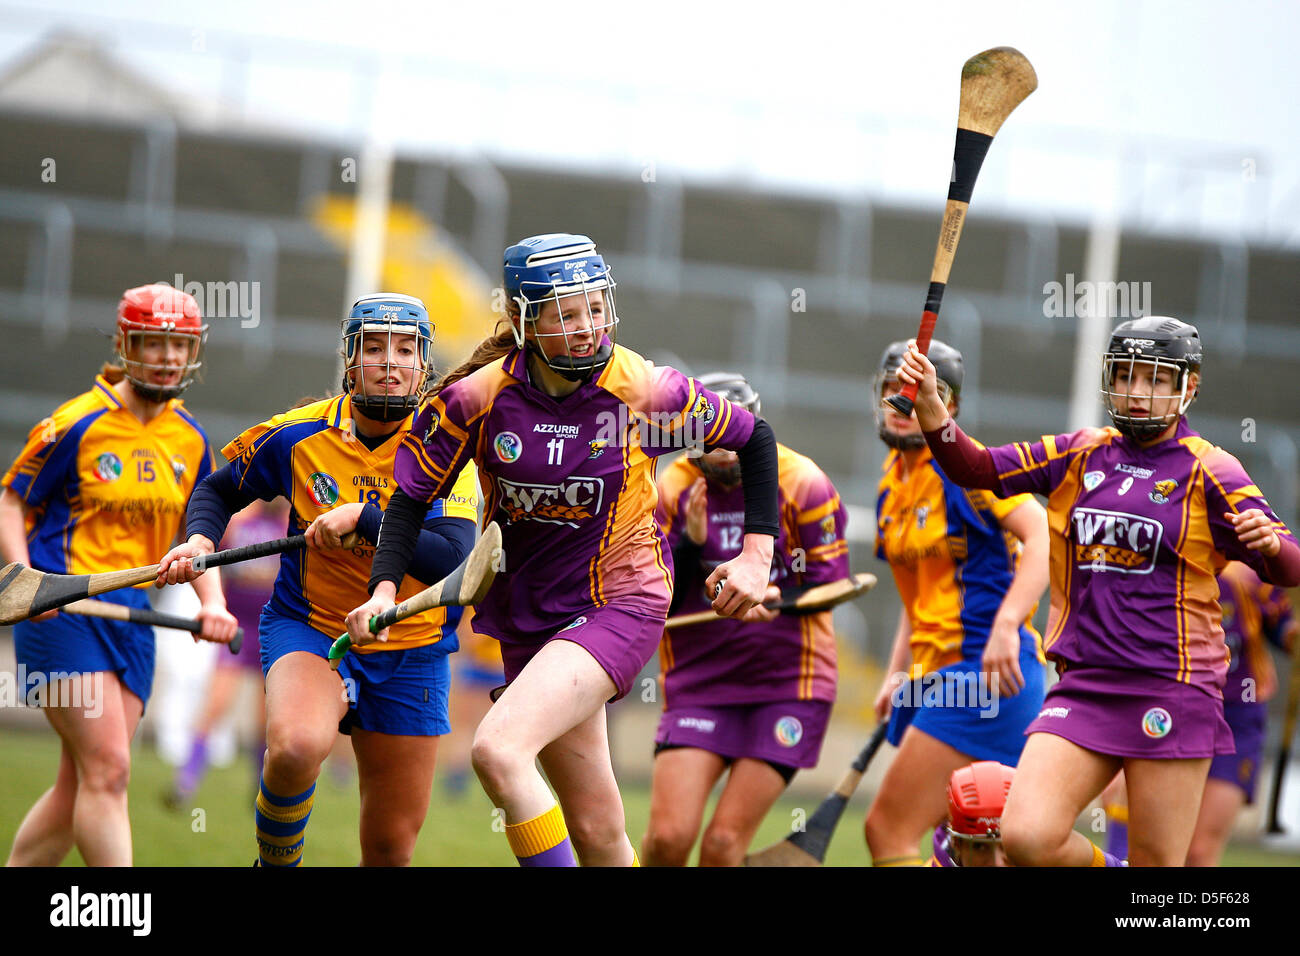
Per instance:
x=1253, y=612
x=571, y=481
x=734, y=662
x=1138, y=535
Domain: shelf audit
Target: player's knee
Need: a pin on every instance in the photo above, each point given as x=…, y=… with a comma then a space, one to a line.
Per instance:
x=388, y=849
x=721, y=846
x=595, y=834
x=295, y=751
x=106, y=770
x=1030, y=843
x=666, y=845
x=877, y=829
x=497, y=763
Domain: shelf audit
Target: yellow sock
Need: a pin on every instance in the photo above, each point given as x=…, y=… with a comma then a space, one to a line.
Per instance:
x=541, y=841
x=898, y=861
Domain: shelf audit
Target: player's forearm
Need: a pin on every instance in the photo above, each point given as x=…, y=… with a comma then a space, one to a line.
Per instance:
x=212, y=504
x=398, y=536
x=900, y=657
x=13, y=529
x=1029, y=581
x=758, y=474
x=961, y=459
x=208, y=587
x=1283, y=568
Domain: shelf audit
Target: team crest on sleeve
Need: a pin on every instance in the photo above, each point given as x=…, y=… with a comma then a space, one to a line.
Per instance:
x=108, y=467
x=704, y=409
x=508, y=447
x=1092, y=479
x=324, y=490
x=434, y=421
x=1163, y=490
x=828, y=529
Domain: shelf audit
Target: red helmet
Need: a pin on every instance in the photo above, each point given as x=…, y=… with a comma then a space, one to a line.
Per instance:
x=158, y=309
x=976, y=796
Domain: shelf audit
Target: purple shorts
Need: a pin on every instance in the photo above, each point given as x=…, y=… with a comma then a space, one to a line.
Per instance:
x=1129, y=713
x=1249, y=723
x=621, y=640
x=788, y=733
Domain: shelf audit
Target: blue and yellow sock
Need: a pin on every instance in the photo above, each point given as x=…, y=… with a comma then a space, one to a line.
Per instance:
x=1117, y=830
x=281, y=822
x=541, y=841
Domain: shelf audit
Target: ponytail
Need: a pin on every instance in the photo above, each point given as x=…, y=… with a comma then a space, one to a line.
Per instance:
x=486, y=352
x=112, y=373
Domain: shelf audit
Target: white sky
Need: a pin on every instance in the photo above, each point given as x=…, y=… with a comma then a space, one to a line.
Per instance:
x=1182, y=115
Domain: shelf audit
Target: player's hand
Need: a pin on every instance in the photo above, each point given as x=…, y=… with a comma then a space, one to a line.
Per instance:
x=1001, y=661
x=177, y=565
x=884, y=704
x=1255, y=530
x=219, y=625
x=697, y=512
x=359, y=620
x=931, y=412
x=760, y=613
x=744, y=579
x=327, y=531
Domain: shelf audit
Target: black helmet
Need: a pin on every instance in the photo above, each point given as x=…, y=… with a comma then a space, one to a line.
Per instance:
x=948, y=367
x=1160, y=341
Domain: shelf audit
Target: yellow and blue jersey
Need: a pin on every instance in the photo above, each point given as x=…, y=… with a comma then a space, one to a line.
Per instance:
x=105, y=490
x=952, y=560
x=311, y=457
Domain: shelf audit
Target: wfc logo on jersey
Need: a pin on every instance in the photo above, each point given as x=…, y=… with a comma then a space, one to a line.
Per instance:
x=1115, y=541
x=571, y=501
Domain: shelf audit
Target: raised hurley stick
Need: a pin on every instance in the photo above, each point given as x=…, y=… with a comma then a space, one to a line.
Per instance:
x=141, y=615
x=795, y=600
x=465, y=586
x=807, y=847
x=993, y=83
x=26, y=592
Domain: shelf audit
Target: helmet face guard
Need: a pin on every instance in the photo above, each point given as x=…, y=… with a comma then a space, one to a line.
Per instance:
x=1157, y=343
x=159, y=311
x=389, y=315
x=947, y=363
x=562, y=270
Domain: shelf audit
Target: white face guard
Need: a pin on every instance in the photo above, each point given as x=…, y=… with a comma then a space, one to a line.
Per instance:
x=384, y=406
x=133, y=341
x=1143, y=426
x=602, y=325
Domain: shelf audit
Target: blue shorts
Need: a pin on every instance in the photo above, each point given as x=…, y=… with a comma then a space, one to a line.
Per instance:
x=403, y=693
x=76, y=644
x=953, y=706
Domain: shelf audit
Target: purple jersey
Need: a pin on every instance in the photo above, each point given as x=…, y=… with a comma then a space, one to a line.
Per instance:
x=248, y=584
x=1252, y=613
x=571, y=480
x=1138, y=535
x=733, y=662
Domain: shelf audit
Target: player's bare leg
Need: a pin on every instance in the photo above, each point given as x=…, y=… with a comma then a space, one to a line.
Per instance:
x=99, y=742
x=752, y=788
x=913, y=797
x=1220, y=804
x=1164, y=797
x=1055, y=780
x=680, y=786
x=579, y=768
x=531, y=714
x=396, y=781
x=305, y=702
x=44, y=837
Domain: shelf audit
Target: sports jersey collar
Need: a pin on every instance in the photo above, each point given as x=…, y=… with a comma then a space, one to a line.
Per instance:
x=340, y=417
x=103, y=390
x=515, y=364
x=893, y=465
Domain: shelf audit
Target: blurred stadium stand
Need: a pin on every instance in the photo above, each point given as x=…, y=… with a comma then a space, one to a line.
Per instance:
x=800, y=293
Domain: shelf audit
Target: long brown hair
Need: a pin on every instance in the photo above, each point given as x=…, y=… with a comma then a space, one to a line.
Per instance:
x=112, y=373
x=489, y=350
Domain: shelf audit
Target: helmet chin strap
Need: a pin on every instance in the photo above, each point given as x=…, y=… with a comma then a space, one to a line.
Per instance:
x=900, y=442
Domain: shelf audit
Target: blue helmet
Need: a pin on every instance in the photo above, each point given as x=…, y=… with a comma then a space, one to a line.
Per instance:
x=391, y=314
x=556, y=266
